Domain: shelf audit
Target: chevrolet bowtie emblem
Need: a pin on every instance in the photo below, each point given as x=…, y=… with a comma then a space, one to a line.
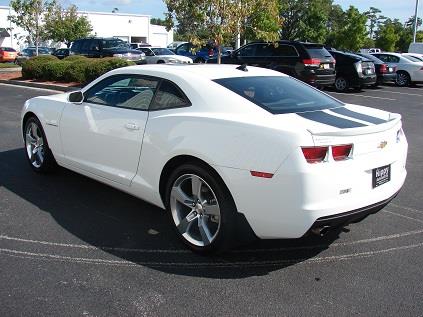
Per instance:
x=382, y=144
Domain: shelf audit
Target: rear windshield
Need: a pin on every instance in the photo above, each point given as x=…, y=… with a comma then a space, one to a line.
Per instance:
x=278, y=94
x=372, y=58
x=317, y=51
x=7, y=49
x=412, y=58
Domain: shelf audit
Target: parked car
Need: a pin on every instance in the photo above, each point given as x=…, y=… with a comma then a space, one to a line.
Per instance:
x=50, y=50
x=200, y=56
x=415, y=48
x=159, y=55
x=408, y=72
x=255, y=153
x=308, y=62
x=98, y=47
x=353, y=71
x=384, y=72
x=7, y=54
x=416, y=57
x=61, y=53
x=29, y=52
x=139, y=45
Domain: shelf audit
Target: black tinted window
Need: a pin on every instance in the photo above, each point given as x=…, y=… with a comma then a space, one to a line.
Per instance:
x=285, y=50
x=169, y=96
x=76, y=46
x=124, y=91
x=279, y=94
x=248, y=50
x=316, y=51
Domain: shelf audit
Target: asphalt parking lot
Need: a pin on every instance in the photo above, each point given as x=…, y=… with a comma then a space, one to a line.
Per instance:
x=72, y=246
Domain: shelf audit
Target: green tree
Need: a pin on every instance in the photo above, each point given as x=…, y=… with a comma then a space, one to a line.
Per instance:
x=387, y=37
x=29, y=18
x=334, y=24
x=374, y=19
x=219, y=19
x=65, y=25
x=158, y=21
x=352, y=35
x=305, y=20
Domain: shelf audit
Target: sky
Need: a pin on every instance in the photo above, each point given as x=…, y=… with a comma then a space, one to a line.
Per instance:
x=401, y=9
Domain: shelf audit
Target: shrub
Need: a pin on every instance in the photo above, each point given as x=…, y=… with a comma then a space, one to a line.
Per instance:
x=72, y=69
x=32, y=68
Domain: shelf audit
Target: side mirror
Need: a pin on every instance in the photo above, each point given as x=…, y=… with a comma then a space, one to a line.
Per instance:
x=76, y=97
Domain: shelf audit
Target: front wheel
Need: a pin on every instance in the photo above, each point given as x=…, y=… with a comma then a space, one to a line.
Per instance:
x=38, y=153
x=201, y=208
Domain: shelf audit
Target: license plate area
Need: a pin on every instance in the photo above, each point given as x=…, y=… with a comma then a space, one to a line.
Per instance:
x=381, y=175
x=324, y=66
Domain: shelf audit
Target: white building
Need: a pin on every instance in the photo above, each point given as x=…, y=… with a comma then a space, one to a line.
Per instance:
x=133, y=28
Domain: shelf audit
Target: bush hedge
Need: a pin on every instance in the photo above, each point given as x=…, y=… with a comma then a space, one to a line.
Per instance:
x=71, y=69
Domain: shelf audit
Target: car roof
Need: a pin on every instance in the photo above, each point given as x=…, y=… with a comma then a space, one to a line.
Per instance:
x=204, y=71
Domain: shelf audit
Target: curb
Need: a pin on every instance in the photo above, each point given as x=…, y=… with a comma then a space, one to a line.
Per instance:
x=38, y=85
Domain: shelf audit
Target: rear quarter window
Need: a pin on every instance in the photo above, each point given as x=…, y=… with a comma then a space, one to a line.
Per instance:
x=279, y=94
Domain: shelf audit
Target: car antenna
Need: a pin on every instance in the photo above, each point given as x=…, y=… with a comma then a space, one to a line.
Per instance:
x=243, y=67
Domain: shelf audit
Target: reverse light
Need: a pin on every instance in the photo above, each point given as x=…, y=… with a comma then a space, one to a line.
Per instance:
x=341, y=152
x=315, y=154
x=359, y=68
x=311, y=62
x=261, y=174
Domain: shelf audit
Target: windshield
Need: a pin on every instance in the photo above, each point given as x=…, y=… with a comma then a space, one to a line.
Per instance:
x=412, y=58
x=278, y=94
x=162, y=51
x=114, y=43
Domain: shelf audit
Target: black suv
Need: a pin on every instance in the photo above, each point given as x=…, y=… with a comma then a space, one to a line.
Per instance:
x=353, y=71
x=308, y=62
x=106, y=47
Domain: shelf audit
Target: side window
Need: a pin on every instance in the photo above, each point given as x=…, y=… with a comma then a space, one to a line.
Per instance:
x=247, y=51
x=383, y=58
x=264, y=50
x=169, y=96
x=85, y=45
x=123, y=91
x=394, y=59
x=285, y=51
x=147, y=52
x=183, y=48
x=76, y=46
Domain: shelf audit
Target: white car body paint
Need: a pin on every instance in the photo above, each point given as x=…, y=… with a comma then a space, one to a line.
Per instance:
x=414, y=69
x=234, y=136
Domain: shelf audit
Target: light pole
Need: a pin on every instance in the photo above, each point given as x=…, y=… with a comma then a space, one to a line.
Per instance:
x=415, y=21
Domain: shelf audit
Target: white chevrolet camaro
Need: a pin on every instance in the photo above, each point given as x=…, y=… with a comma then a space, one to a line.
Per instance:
x=227, y=150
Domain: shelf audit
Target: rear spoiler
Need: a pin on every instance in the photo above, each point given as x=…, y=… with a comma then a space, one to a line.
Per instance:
x=394, y=119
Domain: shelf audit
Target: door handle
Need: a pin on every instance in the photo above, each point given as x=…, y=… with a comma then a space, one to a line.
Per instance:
x=132, y=126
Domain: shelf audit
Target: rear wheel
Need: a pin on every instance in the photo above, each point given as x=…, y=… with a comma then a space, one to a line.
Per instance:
x=341, y=84
x=160, y=62
x=201, y=208
x=403, y=79
x=38, y=153
x=199, y=60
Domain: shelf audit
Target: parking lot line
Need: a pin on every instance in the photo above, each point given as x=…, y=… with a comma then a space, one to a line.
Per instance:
x=399, y=215
x=397, y=92
x=374, y=97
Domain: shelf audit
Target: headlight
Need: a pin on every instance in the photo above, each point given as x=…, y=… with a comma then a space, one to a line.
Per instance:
x=118, y=55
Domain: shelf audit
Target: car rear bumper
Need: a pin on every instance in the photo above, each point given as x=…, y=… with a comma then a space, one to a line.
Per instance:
x=319, y=80
x=385, y=78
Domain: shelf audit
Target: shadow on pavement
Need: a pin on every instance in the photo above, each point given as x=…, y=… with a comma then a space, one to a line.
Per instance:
x=135, y=231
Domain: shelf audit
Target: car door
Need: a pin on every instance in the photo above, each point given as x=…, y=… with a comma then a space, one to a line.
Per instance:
x=104, y=134
x=246, y=55
x=149, y=55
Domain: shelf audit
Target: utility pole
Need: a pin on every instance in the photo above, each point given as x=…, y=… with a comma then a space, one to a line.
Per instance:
x=415, y=21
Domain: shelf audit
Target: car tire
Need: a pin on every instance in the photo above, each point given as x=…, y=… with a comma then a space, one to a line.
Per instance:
x=341, y=84
x=160, y=62
x=403, y=79
x=38, y=153
x=199, y=60
x=201, y=208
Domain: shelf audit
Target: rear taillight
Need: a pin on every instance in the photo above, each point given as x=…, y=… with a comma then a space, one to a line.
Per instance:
x=311, y=62
x=315, y=154
x=211, y=53
x=341, y=152
x=383, y=68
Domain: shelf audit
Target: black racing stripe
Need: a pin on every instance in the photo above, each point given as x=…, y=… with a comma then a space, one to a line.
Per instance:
x=357, y=115
x=325, y=118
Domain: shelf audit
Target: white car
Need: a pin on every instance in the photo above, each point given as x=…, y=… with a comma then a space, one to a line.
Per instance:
x=160, y=55
x=226, y=149
x=409, y=71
